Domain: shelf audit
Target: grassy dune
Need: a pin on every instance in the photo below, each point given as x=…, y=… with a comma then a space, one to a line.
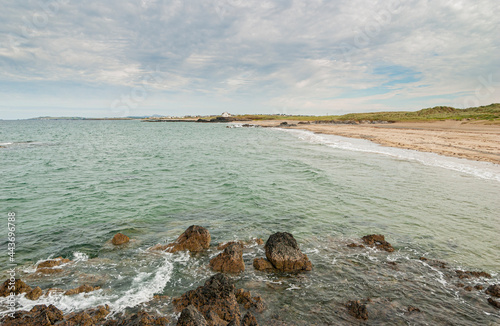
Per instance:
x=490, y=113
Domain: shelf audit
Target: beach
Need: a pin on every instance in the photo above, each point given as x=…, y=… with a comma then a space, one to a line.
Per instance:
x=463, y=139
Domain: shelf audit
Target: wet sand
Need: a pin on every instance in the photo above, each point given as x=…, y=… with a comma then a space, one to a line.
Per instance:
x=474, y=141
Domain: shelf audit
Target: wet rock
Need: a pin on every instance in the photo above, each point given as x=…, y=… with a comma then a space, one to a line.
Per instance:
x=494, y=303
x=52, y=263
x=120, y=239
x=39, y=315
x=82, y=288
x=249, y=320
x=378, y=241
x=34, y=294
x=413, y=309
x=245, y=298
x=143, y=318
x=471, y=274
x=259, y=241
x=357, y=309
x=434, y=263
x=195, y=238
x=89, y=317
x=468, y=288
x=478, y=287
x=190, y=316
x=493, y=290
x=224, y=245
x=216, y=295
x=50, y=270
x=283, y=252
x=354, y=245
x=230, y=260
x=53, y=291
x=19, y=287
x=262, y=264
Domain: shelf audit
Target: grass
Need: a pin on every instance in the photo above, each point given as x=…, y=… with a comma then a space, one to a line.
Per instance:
x=491, y=113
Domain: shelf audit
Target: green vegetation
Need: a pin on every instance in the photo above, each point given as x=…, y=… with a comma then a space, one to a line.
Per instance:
x=490, y=112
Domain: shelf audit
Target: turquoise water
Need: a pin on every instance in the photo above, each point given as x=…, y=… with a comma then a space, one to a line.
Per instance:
x=74, y=184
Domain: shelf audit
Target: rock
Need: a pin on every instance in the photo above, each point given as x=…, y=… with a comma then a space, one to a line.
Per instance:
x=19, y=287
x=190, y=316
x=259, y=241
x=378, y=241
x=143, y=318
x=224, y=245
x=284, y=123
x=494, y=303
x=493, y=290
x=262, y=264
x=478, y=287
x=34, y=294
x=413, y=309
x=283, y=252
x=468, y=288
x=87, y=317
x=354, y=245
x=52, y=263
x=50, y=270
x=230, y=260
x=217, y=295
x=82, y=288
x=471, y=274
x=120, y=239
x=245, y=298
x=357, y=309
x=39, y=315
x=249, y=320
x=195, y=238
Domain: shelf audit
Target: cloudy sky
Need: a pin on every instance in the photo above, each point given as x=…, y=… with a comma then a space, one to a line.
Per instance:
x=177, y=57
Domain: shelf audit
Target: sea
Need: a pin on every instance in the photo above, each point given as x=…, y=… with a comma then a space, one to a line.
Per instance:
x=73, y=185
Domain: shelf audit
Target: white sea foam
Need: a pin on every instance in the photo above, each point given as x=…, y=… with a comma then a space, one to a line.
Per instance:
x=80, y=256
x=483, y=170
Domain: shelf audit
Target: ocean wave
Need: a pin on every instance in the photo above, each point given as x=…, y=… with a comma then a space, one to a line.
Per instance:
x=484, y=170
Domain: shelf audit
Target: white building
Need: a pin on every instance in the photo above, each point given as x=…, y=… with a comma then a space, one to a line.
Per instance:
x=226, y=115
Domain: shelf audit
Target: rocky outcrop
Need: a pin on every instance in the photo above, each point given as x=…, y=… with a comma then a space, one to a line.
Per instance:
x=494, y=303
x=190, y=316
x=471, y=274
x=39, y=315
x=18, y=287
x=47, y=266
x=214, y=300
x=34, y=294
x=283, y=252
x=195, y=238
x=245, y=298
x=120, y=239
x=230, y=260
x=377, y=241
x=357, y=309
x=142, y=318
x=81, y=289
x=262, y=264
x=89, y=317
x=493, y=290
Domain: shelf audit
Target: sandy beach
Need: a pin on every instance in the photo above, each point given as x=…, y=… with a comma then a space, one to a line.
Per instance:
x=474, y=141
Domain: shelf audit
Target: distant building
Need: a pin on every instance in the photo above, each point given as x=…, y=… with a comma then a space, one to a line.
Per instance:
x=226, y=115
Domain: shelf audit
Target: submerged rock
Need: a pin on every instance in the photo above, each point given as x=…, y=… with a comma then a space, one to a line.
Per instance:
x=245, y=298
x=141, y=318
x=215, y=299
x=39, y=315
x=82, y=288
x=120, y=239
x=357, y=309
x=195, y=238
x=34, y=294
x=493, y=290
x=471, y=274
x=378, y=241
x=494, y=303
x=47, y=266
x=190, y=316
x=413, y=309
x=284, y=254
x=354, y=245
x=230, y=260
x=18, y=287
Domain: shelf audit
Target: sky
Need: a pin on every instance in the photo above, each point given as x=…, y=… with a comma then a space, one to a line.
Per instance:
x=119, y=58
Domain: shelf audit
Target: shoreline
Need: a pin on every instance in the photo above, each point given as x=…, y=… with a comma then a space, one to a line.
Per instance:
x=473, y=141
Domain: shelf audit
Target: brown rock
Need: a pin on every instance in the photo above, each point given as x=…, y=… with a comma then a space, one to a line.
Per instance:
x=494, y=303
x=217, y=295
x=49, y=270
x=259, y=241
x=34, y=294
x=468, y=288
x=262, y=264
x=19, y=287
x=357, y=309
x=224, y=245
x=413, y=309
x=245, y=298
x=190, y=316
x=82, y=288
x=230, y=260
x=283, y=252
x=471, y=274
x=354, y=245
x=195, y=238
x=39, y=315
x=378, y=241
x=493, y=290
x=249, y=320
x=89, y=317
x=120, y=239
x=143, y=318
x=478, y=287
x=52, y=263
